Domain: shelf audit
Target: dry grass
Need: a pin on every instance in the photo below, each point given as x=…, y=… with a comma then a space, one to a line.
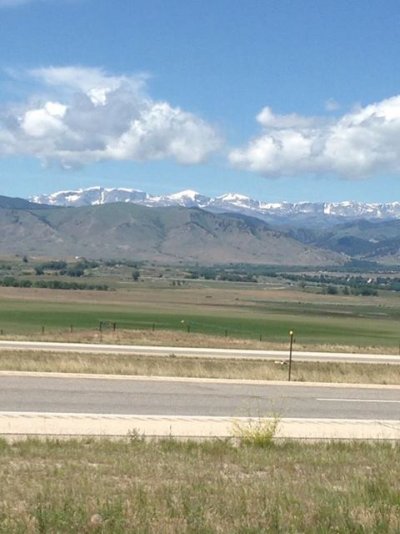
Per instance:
x=197, y=367
x=175, y=338
x=209, y=295
x=214, y=487
x=168, y=338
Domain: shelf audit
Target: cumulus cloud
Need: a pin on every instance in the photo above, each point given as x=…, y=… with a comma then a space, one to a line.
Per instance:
x=88, y=115
x=360, y=143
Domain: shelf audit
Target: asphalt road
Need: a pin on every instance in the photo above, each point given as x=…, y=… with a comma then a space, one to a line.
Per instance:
x=195, y=398
x=199, y=352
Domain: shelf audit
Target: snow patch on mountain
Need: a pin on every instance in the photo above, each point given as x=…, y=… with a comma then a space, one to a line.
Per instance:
x=91, y=197
x=229, y=202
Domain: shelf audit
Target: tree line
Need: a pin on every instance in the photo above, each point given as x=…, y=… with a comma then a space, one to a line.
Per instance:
x=11, y=281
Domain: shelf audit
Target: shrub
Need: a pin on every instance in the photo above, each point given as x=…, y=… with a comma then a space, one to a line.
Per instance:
x=332, y=290
x=259, y=431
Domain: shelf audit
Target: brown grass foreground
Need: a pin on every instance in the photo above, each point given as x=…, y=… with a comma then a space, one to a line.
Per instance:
x=197, y=367
x=211, y=487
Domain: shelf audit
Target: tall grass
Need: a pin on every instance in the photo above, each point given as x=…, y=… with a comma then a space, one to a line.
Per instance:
x=125, y=364
x=168, y=486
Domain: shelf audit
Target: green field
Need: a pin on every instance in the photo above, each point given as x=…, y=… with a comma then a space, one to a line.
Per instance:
x=226, y=315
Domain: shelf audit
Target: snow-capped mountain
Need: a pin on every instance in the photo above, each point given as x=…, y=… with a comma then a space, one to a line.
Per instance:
x=282, y=212
x=91, y=197
x=186, y=199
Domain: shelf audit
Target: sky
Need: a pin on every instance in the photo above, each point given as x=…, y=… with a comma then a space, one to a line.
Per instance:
x=281, y=100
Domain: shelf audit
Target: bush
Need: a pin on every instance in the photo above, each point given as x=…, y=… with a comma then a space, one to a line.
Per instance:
x=54, y=265
x=259, y=432
x=75, y=270
x=331, y=290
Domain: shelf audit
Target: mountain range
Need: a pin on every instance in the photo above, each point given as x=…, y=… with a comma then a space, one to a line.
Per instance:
x=281, y=213
x=192, y=228
x=164, y=234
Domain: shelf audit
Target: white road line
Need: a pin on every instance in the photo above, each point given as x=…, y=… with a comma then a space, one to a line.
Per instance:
x=361, y=400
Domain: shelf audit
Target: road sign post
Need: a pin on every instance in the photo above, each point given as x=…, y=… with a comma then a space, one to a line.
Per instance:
x=291, y=334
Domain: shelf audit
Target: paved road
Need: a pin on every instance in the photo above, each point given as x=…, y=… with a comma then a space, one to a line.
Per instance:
x=199, y=352
x=170, y=397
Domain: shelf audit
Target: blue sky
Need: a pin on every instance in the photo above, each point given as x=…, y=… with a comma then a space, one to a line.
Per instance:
x=280, y=100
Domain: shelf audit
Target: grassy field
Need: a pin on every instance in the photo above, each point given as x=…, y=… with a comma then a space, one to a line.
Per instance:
x=165, y=486
x=198, y=367
x=211, y=487
x=243, y=313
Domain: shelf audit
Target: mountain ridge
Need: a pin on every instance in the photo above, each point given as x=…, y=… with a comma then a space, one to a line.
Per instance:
x=164, y=234
x=280, y=212
x=130, y=230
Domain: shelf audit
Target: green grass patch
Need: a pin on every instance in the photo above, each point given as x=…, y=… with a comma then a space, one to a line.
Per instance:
x=28, y=317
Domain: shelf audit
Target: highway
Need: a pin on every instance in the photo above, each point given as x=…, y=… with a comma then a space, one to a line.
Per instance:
x=51, y=404
x=194, y=397
x=194, y=352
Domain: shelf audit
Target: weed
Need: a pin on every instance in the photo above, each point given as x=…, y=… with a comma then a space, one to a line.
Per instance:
x=135, y=436
x=259, y=431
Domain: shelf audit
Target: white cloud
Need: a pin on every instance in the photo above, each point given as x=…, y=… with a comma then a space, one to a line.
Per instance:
x=92, y=81
x=269, y=120
x=88, y=115
x=363, y=142
x=146, y=137
x=45, y=121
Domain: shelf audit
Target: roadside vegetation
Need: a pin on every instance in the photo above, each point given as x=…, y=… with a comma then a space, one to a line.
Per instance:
x=169, y=486
x=177, y=366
